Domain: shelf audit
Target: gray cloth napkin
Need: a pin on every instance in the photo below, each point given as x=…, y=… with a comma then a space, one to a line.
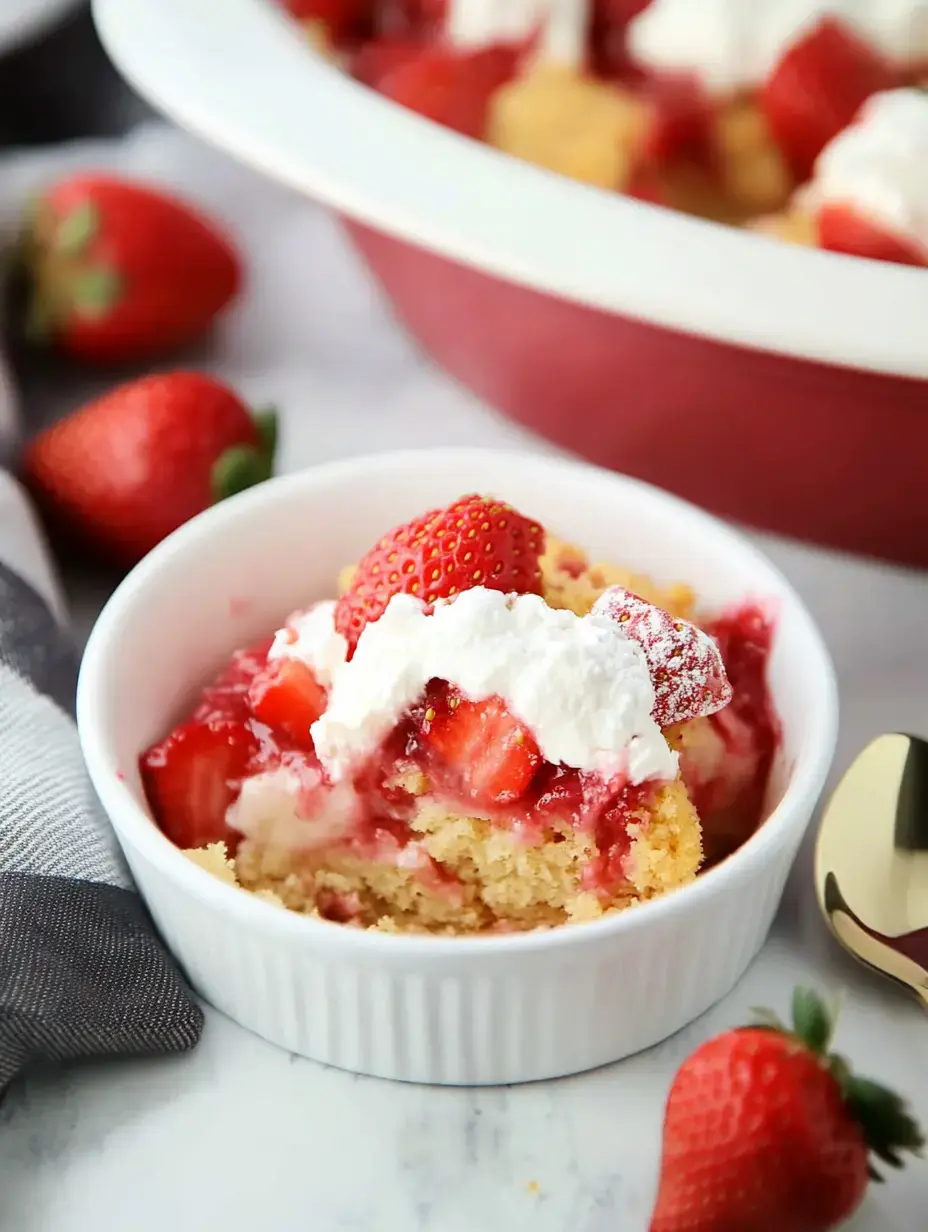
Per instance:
x=82, y=972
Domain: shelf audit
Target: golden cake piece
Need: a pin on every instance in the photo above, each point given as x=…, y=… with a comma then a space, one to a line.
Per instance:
x=793, y=226
x=574, y=125
x=755, y=175
x=465, y=874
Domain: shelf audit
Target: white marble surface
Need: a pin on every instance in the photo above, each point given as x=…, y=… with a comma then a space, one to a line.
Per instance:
x=239, y=1136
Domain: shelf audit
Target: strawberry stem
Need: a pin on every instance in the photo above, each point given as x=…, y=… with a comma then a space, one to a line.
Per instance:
x=94, y=291
x=243, y=466
x=75, y=230
x=266, y=423
x=236, y=469
x=812, y=1021
x=885, y=1119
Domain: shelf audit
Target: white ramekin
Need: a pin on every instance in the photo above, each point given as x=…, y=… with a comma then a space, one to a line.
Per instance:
x=425, y=1009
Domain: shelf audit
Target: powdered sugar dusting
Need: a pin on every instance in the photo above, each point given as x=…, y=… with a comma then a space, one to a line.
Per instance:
x=685, y=664
x=580, y=686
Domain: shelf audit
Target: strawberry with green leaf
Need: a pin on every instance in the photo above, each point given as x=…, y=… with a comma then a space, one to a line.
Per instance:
x=766, y=1130
x=118, y=272
x=122, y=472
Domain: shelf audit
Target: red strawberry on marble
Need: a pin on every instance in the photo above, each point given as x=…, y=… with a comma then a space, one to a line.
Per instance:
x=685, y=663
x=477, y=541
x=126, y=469
x=767, y=1130
x=121, y=272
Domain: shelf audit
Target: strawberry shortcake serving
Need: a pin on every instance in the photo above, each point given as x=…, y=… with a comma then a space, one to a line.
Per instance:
x=483, y=732
x=725, y=109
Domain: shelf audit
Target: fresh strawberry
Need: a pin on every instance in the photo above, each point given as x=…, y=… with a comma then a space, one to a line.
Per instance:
x=609, y=35
x=765, y=1131
x=817, y=88
x=452, y=88
x=476, y=541
x=682, y=119
x=844, y=229
x=124, y=471
x=193, y=776
x=619, y=12
x=684, y=662
x=492, y=756
x=119, y=272
x=380, y=57
x=409, y=19
x=287, y=697
x=227, y=696
x=342, y=18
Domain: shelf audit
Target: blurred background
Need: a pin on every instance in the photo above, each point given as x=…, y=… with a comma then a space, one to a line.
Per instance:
x=59, y=84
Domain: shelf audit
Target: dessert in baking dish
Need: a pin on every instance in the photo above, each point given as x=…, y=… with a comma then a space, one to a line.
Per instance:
x=725, y=109
x=483, y=732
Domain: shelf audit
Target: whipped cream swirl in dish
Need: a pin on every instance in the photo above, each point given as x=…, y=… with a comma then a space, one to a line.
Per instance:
x=578, y=683
x=879, y=165
x=734, y=45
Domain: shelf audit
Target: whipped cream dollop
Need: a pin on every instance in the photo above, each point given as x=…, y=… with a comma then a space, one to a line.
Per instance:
x=561, y=24
x=578, y=683
x=732, y=45
x=879, y=165
x=311, y=637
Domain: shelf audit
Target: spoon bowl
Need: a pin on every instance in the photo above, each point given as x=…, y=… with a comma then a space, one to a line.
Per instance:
x=871, y=860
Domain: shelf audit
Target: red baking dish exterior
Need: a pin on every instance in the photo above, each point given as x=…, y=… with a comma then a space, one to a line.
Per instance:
x=806, y=449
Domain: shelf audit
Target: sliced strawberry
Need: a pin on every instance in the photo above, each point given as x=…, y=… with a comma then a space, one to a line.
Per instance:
x=342, y=18
x=476, y=541
x=193, y=776
x=376, y=59
x=619, y=12
x=227, y=696
x=288, y=698
x=414, y=19
x=843, y=229
x=492, y=756
x=645, y=186
x=452, y=88
x=682, y=122
x=818, y=87
x=609, y=43
x=685, y=663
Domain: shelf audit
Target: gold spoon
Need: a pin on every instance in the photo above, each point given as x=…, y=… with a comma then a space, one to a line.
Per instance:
x=871, y=860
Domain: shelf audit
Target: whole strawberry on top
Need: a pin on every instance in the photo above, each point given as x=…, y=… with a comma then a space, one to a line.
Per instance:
x=122, y=472
x=476, y=541
x=119, y=272
x=766, y=1131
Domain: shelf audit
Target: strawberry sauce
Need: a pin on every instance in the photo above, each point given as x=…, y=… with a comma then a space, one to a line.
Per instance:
x=478, y=760
x=748, y=728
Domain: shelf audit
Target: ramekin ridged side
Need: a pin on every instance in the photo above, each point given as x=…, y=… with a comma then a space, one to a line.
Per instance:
x=490, y=1015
